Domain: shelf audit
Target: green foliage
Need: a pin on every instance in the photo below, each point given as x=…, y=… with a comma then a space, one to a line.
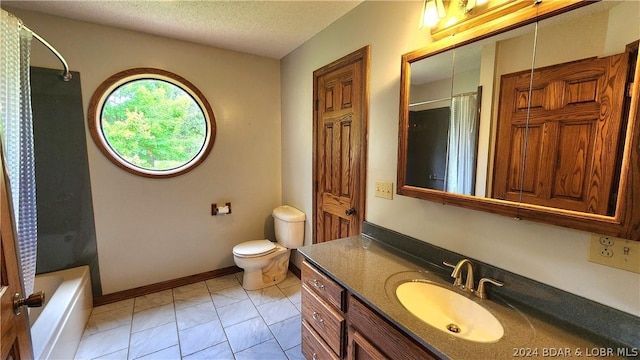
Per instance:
x=153, y=124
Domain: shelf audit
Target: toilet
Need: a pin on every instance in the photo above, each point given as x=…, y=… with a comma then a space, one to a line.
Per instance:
x=264, y=262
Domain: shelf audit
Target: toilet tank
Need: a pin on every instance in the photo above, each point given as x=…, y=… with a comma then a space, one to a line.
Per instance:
x=289, y=226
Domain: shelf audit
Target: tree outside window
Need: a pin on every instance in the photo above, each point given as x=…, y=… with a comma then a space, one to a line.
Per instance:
x=152, y=126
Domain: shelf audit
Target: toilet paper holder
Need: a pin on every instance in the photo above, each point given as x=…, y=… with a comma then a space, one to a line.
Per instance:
x=220, y=210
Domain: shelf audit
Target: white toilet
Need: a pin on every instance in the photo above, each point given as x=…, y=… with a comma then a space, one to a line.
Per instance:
x=264, y=262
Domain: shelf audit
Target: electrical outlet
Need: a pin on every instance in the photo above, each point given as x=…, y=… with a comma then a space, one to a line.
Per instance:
x=618, y=253
x=605, y=240
x=384, y=189
x=606, y=252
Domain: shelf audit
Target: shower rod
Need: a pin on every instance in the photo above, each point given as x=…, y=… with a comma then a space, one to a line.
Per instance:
x=66, y=75
x=443, y=99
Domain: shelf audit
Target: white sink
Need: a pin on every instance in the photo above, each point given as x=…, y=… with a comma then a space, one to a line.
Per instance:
x=449, y=311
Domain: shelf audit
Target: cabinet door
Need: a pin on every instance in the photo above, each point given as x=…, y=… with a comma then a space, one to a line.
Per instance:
x=361, y=349
x=388, y=339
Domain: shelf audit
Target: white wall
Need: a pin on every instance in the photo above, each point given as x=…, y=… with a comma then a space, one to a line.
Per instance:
x=549, y=254
x=151, y=230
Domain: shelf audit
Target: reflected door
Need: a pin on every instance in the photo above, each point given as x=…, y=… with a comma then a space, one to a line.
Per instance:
x=569, y=138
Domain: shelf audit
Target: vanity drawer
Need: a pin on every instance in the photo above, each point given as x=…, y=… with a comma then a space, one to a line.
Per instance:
x=385, y=337
x=323, y=286
x=312, y=345
x=325, y=320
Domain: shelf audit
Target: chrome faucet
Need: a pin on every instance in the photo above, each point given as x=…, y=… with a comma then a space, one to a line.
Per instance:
x=457, y=275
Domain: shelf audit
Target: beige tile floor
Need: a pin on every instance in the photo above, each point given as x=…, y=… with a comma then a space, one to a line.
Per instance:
x=213, y=319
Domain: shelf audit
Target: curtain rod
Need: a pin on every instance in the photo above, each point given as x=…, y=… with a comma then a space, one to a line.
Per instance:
x=429, y=102
x=66, y=75
x=443, y=99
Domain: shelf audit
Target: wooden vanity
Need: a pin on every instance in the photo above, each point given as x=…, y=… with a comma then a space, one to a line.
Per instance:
x=350, y=309
x=337, y=325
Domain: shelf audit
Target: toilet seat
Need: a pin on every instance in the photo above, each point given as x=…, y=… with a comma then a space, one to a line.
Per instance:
x=254, y=248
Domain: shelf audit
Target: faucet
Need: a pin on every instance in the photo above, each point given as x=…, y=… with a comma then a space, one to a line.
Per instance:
x=482, y=293
x=457, y=275
x=468, y=285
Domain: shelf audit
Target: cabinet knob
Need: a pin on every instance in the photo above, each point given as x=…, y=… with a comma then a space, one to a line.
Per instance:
x=350, y=211
x=317, y=317
x=317, y=284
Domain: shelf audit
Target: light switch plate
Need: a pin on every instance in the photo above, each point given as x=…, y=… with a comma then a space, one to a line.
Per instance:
x=384, y=189
x=618, y=253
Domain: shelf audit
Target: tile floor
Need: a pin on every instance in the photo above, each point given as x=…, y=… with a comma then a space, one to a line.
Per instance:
x=214, y=319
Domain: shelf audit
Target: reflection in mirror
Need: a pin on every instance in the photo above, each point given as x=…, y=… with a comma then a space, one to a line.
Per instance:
x=463, y=122
x=574, y=139
x=462, y=142
x=451, y=110
x=429, y=114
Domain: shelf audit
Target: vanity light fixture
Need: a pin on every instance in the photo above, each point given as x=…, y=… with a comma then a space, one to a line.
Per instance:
x=466, y=5
x=432, y=12
x=456, y=11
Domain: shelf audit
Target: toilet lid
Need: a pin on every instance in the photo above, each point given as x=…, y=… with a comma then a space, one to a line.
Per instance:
x=254, y=248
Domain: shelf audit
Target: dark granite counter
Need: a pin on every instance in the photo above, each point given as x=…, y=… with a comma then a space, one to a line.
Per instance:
x=371, y=270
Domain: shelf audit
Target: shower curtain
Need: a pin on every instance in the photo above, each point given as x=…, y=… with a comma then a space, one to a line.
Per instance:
x=16, y=130
x=463, y=128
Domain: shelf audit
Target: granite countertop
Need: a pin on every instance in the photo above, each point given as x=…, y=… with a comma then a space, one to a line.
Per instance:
x=371, y=271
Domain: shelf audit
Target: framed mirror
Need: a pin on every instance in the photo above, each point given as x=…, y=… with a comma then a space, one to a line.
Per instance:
x=535, y=119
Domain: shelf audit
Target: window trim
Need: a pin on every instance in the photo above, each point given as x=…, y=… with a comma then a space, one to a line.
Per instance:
x=94, y=119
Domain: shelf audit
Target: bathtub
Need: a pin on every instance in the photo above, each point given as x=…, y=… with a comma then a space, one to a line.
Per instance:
x=57, y=327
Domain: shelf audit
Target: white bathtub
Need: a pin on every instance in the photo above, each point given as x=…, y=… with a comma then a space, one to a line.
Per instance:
x=57, y=327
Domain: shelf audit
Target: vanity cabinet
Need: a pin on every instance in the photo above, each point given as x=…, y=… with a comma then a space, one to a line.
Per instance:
x=367, y=328
x=337, y=325
x=323, y=318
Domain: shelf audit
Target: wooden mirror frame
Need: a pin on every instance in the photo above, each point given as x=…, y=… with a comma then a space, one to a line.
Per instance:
x=626, y=221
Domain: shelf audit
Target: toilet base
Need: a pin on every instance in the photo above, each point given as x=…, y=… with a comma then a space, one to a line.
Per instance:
x=272, y=274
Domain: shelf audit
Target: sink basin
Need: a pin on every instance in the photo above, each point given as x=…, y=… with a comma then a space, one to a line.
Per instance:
x=448, y=311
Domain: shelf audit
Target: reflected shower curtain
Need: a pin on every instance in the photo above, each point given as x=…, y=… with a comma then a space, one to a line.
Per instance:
x=461, y=158
x=16, y=129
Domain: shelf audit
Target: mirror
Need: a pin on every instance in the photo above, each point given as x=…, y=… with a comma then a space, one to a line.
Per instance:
x=429, y=117
x=449, y=136
x=477, y=131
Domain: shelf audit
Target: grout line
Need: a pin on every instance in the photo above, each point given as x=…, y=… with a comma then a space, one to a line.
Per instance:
x=175, y=315
x=224, y=328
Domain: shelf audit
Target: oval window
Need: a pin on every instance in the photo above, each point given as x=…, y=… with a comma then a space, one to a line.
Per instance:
x=151, y=122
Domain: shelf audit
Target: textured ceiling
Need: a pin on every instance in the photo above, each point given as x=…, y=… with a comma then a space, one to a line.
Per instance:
x=266, y=28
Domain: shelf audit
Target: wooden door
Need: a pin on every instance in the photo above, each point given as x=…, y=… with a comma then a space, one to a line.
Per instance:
x=570, y=141
x=15, y=341
x=340, y=133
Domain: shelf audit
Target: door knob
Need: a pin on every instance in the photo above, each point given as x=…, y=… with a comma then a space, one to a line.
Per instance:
x=350, y=211
x=34, y=300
